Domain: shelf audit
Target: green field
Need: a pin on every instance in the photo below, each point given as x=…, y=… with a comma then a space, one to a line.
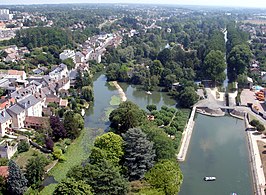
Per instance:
x=78, y=151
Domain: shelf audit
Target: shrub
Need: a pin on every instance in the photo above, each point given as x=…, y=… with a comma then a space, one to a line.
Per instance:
x=23, y=146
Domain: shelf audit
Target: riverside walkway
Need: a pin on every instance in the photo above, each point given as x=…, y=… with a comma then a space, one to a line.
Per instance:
x=181, y=156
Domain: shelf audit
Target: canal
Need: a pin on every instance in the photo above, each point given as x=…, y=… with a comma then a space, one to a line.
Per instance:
x=218, y=148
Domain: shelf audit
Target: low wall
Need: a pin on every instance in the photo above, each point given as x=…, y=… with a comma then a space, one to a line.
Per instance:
x=256, y=185
x=186, y=136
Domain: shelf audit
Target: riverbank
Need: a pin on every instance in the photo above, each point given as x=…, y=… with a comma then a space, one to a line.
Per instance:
x=121, y=92
x=186, y=136
x=255, y=159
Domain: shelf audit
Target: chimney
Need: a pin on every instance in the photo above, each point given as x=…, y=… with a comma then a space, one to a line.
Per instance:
x=3, y=114
x=28, y=101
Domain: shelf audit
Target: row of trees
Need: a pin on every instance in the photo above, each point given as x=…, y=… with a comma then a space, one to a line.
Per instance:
x=238, y=53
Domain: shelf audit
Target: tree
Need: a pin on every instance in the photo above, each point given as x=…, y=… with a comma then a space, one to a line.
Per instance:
x=3, y=185
x=165, y=176
x=238, y=61
x=139, y=153
x=73, y=123
x=127, y=115
x=69, y=62
x=23, y=146
x=49, y=143
x=156, y=68
x=260, y=128
x=35, y=169
x=87, y=93
x=151, y=107
x=58, y=128
x=163, y=145
x=112, y=145
x=188, y=97
x=214, y=66
x=70, y=186
x=16, y=182
x=254, y=123
x=103, y=177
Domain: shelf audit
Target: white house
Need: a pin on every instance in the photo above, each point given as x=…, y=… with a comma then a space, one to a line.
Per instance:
x=7, y=149
x=31, y=105
x=79, y=57
x=5, y=122
x=18, y=115
x=67, y=54
x=59, y=72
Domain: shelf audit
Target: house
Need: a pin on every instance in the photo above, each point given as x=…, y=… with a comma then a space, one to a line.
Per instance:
x=59, y=72
x=63, y=83
x=79, y=57
x=96, y=56
x=32, y=105
x=21, y=74
x=8, y=149
x=6, y=102
x=4, y=171
x=12, y=57
x=18, y=115
x=67, y=54
x=35, y=122
x=5, y=122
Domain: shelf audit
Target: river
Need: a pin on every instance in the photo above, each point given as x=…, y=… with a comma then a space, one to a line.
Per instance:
x=218, y=146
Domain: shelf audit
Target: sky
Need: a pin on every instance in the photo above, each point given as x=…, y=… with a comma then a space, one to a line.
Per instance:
x=230, y=3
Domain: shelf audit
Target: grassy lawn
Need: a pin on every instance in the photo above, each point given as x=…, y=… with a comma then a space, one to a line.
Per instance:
x=78, y=151
x=23, y=158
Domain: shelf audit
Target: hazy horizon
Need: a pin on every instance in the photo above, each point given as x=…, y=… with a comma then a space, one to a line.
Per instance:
x=224, y=3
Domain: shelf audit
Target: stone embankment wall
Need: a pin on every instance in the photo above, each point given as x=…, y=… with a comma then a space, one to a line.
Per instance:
x=181, y=156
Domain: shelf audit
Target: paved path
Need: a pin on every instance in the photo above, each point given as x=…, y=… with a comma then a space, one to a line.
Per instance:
x=255, y=160
x=186, y=136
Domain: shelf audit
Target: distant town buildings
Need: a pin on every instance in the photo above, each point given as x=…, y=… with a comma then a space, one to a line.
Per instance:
x=5, y=15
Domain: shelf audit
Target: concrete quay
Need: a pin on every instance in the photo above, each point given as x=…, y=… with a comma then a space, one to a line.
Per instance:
x=186, y=136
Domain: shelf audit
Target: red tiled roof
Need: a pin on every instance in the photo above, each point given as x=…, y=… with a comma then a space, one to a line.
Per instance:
x=4, y=171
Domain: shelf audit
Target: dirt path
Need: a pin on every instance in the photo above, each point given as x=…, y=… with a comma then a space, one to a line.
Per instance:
x=120, y=91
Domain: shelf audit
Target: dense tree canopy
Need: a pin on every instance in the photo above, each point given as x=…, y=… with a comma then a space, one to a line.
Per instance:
x=165, y=176
x=127, y=115
x=139, y=153
x=35, y=169
x=188, y=97
x=112, y=145
x=102, y=176
x=73, y=123
x=238, y=61
x=16, y=182
x=70, y=186
x=214, y=66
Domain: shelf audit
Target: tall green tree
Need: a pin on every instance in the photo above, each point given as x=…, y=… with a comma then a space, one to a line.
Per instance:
x=238, y=61
x=139, y=153
x=16, y=182
x=35, y=170
x=103, y=177
x=214, y=66
x=112, y=145
x=165, y=176
x=127, y=115
x=87, y=93
x=188, y=97
x=70, y=186
x=73, y=123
